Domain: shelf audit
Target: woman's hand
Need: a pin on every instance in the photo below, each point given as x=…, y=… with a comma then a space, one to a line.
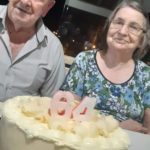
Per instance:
x=146, y=121
x=133, y=126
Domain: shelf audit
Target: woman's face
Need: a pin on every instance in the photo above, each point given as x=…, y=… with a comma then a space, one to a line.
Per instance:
x=126, y=30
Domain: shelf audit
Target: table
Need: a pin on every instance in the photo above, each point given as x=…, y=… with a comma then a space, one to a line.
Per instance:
x=139, y=141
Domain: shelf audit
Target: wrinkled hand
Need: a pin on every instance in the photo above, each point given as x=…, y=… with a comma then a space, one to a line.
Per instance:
x=133, y=126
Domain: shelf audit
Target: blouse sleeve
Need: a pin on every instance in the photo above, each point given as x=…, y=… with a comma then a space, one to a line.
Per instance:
x=146, y=93
x=74, y=80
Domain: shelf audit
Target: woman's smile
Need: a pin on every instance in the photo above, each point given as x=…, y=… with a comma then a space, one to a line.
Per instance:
x=121, y=41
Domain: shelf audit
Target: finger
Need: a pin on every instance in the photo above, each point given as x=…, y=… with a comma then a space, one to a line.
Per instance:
x=144, y=130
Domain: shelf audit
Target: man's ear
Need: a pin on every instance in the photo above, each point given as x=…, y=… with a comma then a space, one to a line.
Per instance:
x=48, y=7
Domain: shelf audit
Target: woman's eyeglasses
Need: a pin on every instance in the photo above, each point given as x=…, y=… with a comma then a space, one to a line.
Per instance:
x=132, y=28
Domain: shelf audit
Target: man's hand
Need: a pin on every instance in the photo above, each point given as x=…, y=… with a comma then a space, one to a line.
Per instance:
x=133, y=126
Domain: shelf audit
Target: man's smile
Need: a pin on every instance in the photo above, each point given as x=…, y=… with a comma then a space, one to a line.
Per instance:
x=23, y=10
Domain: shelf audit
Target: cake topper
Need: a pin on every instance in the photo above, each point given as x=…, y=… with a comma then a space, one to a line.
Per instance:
x=63, y=106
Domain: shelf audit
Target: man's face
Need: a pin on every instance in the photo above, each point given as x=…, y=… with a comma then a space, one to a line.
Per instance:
x=26, y=12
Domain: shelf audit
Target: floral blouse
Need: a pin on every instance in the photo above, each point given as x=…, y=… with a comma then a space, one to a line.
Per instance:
x=123, y=101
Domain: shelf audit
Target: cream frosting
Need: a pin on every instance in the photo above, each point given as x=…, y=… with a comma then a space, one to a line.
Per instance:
x=31, y=115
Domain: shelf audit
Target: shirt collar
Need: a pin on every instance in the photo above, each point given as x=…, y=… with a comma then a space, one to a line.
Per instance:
x=3, y=12
x=41, y=31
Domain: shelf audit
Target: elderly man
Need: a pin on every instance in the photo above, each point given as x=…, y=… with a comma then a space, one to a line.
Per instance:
x=31, y=57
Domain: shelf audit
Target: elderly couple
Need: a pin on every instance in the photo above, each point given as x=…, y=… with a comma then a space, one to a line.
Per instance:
x=32, y=61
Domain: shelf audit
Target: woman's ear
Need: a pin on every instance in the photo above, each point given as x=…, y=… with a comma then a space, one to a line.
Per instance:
x=142, y=41
x=48, y=7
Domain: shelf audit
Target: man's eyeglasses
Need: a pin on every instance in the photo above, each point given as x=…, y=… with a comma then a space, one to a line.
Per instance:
x=132, y=28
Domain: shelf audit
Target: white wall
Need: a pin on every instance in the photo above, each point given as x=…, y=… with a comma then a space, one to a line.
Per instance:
x=98, y=10
x=81, y=5
x=146, y=4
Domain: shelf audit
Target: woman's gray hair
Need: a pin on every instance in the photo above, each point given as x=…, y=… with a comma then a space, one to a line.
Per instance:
x=142, y=50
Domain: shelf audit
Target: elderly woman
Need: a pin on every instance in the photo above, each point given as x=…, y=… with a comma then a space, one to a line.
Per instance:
x=113, y=74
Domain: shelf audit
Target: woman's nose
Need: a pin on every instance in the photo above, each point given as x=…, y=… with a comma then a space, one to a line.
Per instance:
x=124, y=29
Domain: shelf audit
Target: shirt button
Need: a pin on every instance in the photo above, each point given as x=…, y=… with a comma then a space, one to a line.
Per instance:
x=8, y=87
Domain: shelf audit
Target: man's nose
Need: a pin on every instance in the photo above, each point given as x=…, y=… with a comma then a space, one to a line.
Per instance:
x=26, y=5
x=26, y=2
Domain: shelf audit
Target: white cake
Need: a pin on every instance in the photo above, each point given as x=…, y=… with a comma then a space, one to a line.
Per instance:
x=27, y=125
